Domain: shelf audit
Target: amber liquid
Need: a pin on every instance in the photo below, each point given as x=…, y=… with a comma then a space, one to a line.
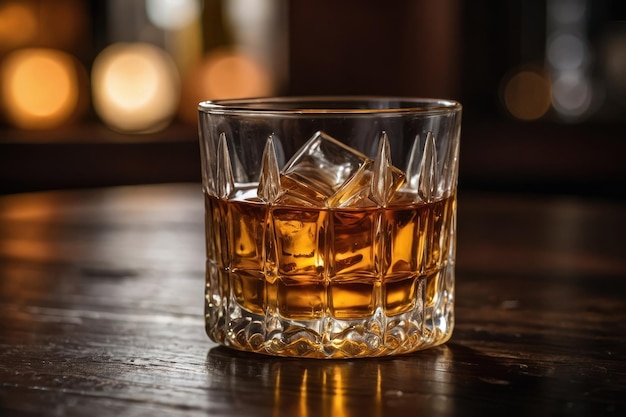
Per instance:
x=308, y=263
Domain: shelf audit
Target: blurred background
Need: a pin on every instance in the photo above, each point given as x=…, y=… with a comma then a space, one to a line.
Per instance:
x=98, y=93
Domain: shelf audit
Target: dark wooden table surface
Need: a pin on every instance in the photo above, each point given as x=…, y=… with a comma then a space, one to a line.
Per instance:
x=101, y=297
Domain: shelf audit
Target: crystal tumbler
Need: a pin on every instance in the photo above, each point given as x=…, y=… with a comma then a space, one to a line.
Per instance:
x=330, y=224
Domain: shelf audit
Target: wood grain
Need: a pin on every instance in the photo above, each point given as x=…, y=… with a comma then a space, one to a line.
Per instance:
x=101, y=295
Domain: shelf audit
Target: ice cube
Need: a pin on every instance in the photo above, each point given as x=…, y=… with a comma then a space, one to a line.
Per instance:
x=319, y=169
x=356, y=190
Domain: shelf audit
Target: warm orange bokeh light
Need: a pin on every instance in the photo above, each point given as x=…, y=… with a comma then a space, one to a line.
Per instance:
x=231, y=74
x=527, y=95
x=135, y=87
x=60, y=24
x=18, y=24
x=40, y=88
x=224, y=73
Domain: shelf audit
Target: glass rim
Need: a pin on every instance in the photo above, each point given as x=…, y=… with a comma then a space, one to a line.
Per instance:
x=331, y=105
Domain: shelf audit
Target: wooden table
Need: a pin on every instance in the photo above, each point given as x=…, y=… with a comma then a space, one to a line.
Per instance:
x=101, y=297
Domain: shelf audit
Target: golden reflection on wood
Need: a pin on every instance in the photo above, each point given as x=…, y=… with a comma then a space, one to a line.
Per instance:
x=277, y=389
x=337, y=394
x=379, y=392
x=304, y=410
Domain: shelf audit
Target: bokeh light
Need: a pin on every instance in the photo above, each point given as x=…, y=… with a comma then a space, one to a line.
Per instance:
x=60, y=24
x=172, y=14
x=232, y=74
x=40, y=88
x=224, y=73
x=136, y=87
x=18, y=24
x=526, y=94
x=614, y=60
x=566, y=51
x=571, y=95
x=569, y=58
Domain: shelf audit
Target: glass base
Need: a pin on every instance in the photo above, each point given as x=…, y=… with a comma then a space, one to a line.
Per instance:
x=429, y=323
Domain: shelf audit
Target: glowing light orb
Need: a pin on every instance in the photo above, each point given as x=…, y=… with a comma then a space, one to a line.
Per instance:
x=39, y=88
x=172, y=14
x=527, y=95
x=18, y=24
x=136, y=87
x=225, y=73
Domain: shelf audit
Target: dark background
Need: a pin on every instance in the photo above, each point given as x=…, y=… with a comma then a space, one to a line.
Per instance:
x=452, y=49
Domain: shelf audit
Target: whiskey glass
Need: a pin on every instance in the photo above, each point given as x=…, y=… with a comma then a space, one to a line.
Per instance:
x=330, y=224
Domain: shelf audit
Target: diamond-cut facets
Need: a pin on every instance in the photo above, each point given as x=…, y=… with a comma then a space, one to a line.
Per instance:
x=337, y=255
x=386, y=179
x=269, y=180
x=429, y=176
x=225, y=181
x=421, y=171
